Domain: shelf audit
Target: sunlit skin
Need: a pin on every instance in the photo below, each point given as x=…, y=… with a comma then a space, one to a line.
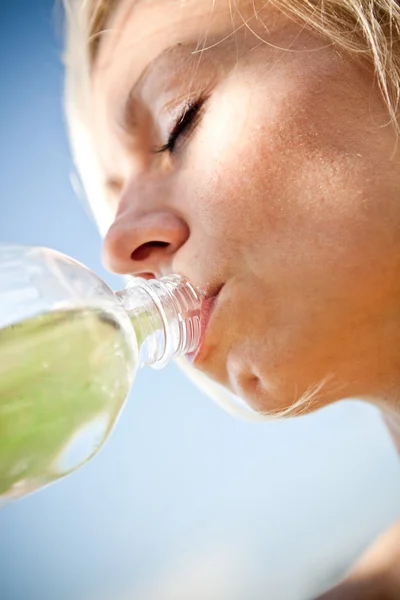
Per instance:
x=284, y=189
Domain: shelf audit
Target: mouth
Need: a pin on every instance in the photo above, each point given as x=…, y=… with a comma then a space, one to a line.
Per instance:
x=207, y=308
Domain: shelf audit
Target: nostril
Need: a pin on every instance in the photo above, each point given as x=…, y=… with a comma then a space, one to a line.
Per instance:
x=144, y=251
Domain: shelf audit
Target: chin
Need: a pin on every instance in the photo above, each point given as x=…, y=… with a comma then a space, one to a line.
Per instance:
x=285, y=398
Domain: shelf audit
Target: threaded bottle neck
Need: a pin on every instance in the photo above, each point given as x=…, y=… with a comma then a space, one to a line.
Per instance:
x=165, y=315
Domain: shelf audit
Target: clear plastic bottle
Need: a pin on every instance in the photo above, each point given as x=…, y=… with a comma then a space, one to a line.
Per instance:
x=69, y=351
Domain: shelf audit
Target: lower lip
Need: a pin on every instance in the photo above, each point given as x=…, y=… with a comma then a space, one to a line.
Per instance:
x=206, y=310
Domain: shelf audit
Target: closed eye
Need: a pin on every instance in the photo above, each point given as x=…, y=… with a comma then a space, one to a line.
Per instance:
x=183, y=126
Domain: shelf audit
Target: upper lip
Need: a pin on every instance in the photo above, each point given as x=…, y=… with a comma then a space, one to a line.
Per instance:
x=209, y=295
x=209, y=290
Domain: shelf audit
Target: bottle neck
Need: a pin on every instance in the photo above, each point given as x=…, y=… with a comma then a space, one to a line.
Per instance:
x=165, y=315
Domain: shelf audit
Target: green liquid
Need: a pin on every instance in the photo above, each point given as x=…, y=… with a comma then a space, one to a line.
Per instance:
x=64, y=377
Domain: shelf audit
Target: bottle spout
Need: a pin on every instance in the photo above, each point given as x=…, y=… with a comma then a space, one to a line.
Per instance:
x=165, y=315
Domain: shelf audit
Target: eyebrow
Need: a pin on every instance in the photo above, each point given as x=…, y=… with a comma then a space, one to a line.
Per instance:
x=126, y=119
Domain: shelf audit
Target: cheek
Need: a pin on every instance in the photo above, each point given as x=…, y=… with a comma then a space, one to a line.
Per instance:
x=295, y=213
x=276, y=178
x=232, y=176
x=241, y=178
x=247, y=154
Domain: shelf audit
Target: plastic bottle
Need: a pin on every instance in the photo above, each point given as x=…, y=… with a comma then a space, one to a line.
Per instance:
x=69, y=350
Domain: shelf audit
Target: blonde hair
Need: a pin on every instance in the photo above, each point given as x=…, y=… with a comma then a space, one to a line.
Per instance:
x=367, y=29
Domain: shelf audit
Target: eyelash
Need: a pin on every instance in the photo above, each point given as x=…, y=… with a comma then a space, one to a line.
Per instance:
x=183, y=126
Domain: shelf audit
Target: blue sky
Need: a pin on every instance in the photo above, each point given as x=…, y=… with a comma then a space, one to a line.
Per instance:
x=181, y=489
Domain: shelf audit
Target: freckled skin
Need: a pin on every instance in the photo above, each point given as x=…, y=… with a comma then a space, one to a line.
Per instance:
x=286, y=191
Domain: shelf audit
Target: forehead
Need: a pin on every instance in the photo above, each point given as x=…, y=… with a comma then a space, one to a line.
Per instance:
x=141, y=29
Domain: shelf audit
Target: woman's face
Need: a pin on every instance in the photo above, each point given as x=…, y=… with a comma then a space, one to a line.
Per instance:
x=243, y=151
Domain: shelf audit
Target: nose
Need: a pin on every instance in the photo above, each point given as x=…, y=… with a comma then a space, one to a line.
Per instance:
x=144, y=237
